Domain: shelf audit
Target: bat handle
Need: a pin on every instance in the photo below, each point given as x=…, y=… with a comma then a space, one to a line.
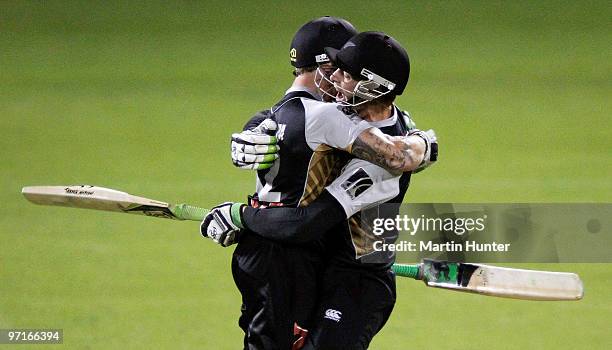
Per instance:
x=188, y=212
x=412, y=271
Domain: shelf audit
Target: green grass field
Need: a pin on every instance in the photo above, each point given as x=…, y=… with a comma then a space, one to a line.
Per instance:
x=143, y=97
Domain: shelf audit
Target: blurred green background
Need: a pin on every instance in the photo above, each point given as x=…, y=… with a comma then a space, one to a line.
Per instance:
x=143, y=96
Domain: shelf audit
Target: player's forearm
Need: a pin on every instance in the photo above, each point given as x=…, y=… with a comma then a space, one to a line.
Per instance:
x=412, y=148
x=397, y=155
x=295, y=225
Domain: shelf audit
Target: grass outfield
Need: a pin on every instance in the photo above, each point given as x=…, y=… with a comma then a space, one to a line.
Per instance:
x=143, y=98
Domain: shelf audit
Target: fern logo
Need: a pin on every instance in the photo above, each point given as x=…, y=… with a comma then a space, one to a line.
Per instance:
x=358, y=183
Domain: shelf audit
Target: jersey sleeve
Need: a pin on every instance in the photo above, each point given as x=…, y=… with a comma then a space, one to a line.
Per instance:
x=295, y=225
x=362, y=185
x=326, y=124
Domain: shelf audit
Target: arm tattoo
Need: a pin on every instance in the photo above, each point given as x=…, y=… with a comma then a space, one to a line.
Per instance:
x=375, y=149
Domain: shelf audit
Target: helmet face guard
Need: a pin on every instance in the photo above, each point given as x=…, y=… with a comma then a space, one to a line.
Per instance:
x=322, y=75
x=365, y=91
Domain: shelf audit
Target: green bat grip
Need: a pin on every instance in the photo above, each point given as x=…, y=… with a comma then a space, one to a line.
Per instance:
x=188, y=212
x=412, y=271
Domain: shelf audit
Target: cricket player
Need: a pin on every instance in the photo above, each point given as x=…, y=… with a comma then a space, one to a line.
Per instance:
x=268, y=311
x=324, y=164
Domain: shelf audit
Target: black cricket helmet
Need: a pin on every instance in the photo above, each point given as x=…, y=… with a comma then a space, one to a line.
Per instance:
x=377, y=60
x=309, y=42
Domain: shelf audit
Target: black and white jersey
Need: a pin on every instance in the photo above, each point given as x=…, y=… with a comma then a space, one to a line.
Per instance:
x=305, y=125
x=312, y=138
x=360, y=185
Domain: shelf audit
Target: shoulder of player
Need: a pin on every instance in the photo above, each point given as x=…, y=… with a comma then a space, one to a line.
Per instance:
x=317, y=108
x=288, y=102
x=407, y=118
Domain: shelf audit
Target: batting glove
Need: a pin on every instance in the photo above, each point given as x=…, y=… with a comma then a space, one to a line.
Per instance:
x=223, y=224
x=431, y=147
x=256, y=148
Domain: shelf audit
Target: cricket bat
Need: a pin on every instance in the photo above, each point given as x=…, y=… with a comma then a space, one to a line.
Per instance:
x=495, y=281
x=473, y=278
x=100, y=198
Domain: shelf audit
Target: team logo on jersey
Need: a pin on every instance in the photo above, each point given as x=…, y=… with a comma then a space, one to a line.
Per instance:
x=293, y=55
x=358, y=183
x=333, y=315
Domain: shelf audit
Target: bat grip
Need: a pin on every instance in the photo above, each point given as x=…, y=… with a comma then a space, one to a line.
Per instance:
x=188, y=212
x=404, y=270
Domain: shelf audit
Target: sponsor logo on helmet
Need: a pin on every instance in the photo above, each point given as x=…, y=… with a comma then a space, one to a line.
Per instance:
x=293, y=54
x=321, y=58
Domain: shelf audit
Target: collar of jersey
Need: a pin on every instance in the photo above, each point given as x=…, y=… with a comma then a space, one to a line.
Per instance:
x=386, y=122
x=302, y=88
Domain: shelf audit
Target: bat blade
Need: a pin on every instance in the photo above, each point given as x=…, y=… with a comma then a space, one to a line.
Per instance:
x=503, y=282
x=100, y=198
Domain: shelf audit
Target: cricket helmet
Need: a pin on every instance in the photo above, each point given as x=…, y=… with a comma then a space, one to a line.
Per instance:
x=309, y=42
x=377, y=60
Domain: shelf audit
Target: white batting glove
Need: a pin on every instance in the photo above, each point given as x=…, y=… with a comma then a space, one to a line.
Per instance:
x=257, y=148
x=223, y=223
x=431, y=147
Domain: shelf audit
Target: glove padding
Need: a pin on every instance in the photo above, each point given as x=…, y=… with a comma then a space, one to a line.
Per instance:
x=431, y=147
x=223, y=224
x=255, y=148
